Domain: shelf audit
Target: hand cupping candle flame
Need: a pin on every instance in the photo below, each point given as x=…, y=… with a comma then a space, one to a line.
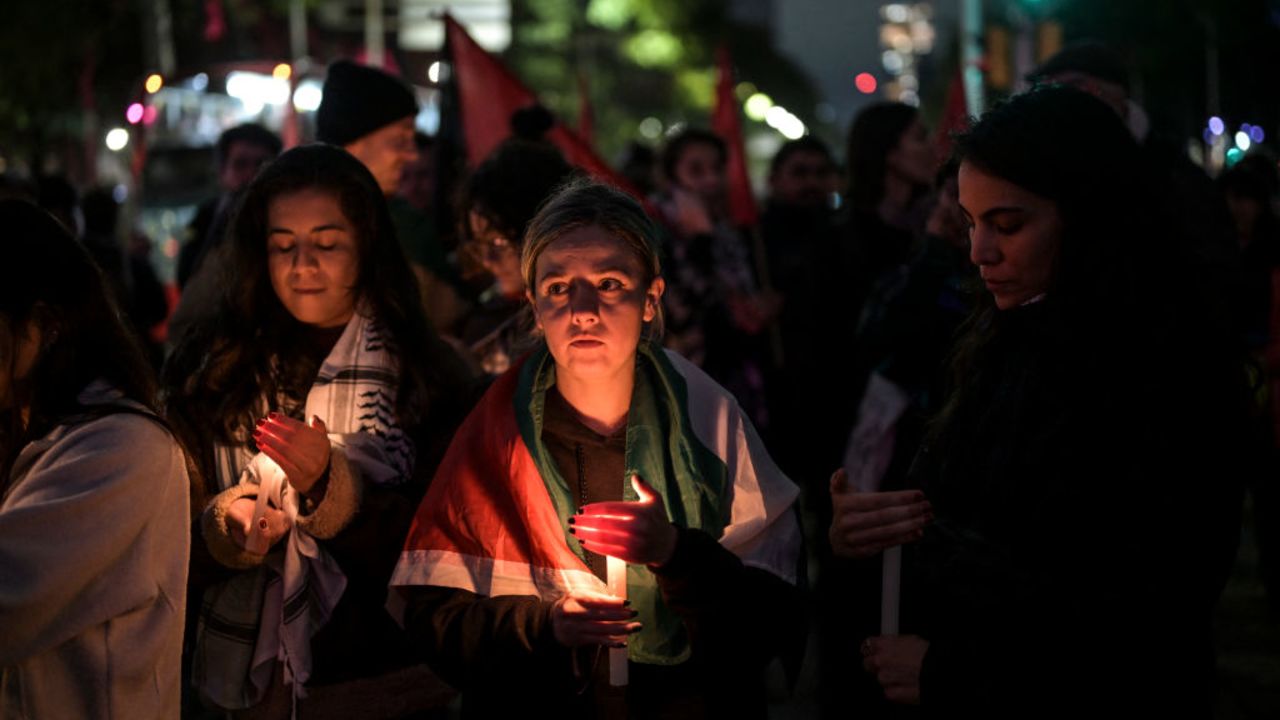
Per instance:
x=636, y=532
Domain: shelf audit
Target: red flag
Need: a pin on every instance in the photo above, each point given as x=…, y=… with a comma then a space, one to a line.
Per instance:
x=215, y=23
x=955, y=115
x=725, y=123
x=488, y=93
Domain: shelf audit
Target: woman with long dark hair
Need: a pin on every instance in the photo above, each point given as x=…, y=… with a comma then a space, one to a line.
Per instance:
x=890, y=166
x=1084, y=472
x=93, y=493
x=601, y=465
x=316, y=402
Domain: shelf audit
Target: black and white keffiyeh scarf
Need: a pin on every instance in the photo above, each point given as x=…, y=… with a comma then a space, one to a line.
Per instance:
x=268, y=614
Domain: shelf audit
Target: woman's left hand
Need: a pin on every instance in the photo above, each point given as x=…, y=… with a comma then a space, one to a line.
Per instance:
x=637, y=532
x=301, y=450
x=895, y=661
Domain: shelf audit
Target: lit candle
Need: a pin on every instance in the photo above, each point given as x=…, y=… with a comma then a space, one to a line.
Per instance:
x=891, y=591
x=256, y=542
x=617, y=580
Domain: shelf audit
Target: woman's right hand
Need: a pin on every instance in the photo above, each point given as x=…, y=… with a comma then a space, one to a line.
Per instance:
x=863, y=524
x=582, y=618
x=273, y=526
x=689, y=213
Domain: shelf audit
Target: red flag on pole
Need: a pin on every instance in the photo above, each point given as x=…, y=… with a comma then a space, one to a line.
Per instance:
x=725, y=123
x=488, y=93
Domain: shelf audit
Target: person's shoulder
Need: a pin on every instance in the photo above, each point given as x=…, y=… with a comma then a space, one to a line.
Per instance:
x=98, y=449
x=702, y=388
x=130, y=432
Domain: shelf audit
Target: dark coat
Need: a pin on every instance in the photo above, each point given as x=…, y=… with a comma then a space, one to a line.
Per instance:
x=1087, y=500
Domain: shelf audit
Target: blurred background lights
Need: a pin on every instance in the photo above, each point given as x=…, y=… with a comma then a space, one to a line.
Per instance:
x=134, y=113
x=308, y=95
x=780, y=119
x=896, y=13
x=117, y=138
x=1256, y=134
x=1242, y=140
x=1216, y=126
x=1234, y=155
x=892, y=61
x=199, y=82
x=651, y=128
x=433, y=72
x=865, y=82
x=255, y=90
x=282, y=71
x=757, y=106
x=150, y=114
x=154, y=83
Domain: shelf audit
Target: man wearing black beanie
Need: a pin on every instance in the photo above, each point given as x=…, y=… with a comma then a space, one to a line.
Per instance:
x=370, y=113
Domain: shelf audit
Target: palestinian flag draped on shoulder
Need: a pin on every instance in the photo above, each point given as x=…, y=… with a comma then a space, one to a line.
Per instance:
x=494, y=521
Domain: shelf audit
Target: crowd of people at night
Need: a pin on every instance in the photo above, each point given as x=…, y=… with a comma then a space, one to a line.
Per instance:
x=958, y=435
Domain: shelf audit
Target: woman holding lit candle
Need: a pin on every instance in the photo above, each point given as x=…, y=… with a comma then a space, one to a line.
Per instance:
x=311, y=400
x=1084, y=473
x=599, y=449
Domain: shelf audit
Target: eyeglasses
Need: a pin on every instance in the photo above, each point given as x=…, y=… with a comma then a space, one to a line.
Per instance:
x=495, y=245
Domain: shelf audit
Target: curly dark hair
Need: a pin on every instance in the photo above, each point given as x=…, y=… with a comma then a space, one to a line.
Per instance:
x=247, y=350
x=675, y=147
x=49, y=280
x=509, y=186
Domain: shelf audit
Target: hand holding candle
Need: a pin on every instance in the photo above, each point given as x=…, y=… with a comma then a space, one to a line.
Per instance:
x=895, y=661
x=635, y=532
x=300, y=449
x=272, y=525
x=584, y=618
x=865, y=523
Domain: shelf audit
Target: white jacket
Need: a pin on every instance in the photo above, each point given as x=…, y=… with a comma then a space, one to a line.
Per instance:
x=94, y=545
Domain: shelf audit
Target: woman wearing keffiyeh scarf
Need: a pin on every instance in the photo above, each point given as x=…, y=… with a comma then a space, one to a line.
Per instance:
x=311, y=402
x=600, y=447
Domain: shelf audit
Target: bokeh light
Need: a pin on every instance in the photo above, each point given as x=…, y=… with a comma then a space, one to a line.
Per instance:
x=117, y=139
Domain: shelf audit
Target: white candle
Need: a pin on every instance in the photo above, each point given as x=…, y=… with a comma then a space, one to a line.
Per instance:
x=617, y=579
x=890, y=590
x=256, y=541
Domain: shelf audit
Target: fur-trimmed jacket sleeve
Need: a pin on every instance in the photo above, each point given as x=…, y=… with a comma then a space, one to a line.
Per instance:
x=342, y=497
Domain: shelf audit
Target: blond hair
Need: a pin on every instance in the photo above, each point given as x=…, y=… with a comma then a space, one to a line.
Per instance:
x=589, y=203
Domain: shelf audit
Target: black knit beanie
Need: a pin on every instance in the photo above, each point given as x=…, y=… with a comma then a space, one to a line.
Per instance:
x=358, y=100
